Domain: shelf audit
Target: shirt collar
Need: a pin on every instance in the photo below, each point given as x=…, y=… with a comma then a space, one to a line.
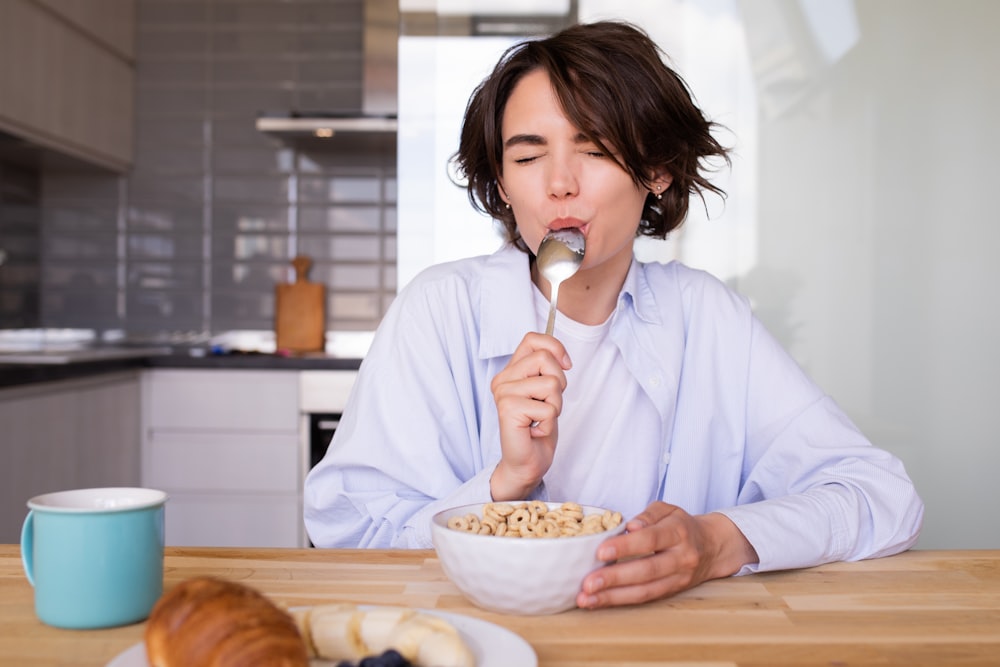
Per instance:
x=638, y=293
x=506, y=300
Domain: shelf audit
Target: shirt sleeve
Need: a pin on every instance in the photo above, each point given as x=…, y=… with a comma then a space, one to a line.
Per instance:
x=407, y=446
x=813, y=488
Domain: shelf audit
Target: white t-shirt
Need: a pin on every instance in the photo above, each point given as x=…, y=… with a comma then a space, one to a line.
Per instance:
x=602, y=401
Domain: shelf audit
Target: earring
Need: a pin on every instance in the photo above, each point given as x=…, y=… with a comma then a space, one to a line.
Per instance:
x=659, y=195
x=507, y=206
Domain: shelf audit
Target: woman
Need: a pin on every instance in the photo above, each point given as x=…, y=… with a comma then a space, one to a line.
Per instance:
x=659, y=395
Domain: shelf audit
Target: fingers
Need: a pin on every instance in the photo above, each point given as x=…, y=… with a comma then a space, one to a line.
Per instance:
x=536, y=356
x=528, y=394
x=658, y=527
x=535, y=399
x=528, y=391
x=634, y=582
x=653, y=514
x=536, y=342
x=659, y=555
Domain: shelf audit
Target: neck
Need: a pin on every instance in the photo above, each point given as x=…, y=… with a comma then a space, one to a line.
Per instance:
x=590, y=296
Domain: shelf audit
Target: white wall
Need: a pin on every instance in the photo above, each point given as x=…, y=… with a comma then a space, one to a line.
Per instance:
x=877, y=230
x=861, y=219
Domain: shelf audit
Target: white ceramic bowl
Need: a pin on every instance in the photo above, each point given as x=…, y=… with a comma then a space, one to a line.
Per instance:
x=517, y=575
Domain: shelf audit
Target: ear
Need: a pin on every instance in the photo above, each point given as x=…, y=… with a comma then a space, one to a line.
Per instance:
x=660, y=182
x=502, y=191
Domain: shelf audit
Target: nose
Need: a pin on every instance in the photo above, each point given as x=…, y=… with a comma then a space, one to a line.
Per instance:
x=562, y=180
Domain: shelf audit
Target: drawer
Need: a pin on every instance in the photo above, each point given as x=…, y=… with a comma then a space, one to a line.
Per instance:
x=222, y=462
x=233, y=521
x=221, y=399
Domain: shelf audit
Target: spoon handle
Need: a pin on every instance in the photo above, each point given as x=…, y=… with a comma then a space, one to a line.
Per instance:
x=551, y=324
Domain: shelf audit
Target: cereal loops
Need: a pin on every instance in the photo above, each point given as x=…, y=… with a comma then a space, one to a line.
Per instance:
x=535, y=519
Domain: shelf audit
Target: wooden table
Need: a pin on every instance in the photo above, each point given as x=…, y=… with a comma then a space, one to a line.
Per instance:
x=918, y=608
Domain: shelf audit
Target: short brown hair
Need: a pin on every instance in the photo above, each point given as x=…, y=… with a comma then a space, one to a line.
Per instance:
x=613, y=84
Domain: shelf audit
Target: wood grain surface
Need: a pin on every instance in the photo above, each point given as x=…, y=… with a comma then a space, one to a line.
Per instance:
x=917, y=608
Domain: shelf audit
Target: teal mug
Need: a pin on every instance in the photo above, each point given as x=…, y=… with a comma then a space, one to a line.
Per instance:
x=94, y=556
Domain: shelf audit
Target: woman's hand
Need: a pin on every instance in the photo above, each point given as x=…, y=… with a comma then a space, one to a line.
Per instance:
x=528, y=394
x=664, y=551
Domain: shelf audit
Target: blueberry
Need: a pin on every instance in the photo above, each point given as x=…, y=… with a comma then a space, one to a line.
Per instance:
x=392, y=658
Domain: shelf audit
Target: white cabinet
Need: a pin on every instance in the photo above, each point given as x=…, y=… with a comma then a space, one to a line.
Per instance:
x=66, y=434
x=226, y=446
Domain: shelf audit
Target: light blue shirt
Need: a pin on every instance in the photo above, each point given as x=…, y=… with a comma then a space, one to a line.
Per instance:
x=741, y=430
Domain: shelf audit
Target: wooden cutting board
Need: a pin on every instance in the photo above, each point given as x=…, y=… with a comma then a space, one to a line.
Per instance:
x=300, y=312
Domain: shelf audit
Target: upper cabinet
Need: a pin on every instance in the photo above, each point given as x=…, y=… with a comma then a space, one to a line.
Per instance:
x=67, y=76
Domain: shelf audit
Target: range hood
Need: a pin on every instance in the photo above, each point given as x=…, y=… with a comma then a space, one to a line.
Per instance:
x=379, y=88
x=323, y=125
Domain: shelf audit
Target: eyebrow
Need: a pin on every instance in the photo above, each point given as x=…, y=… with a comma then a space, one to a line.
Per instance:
x=524, y=139
x=537, y=140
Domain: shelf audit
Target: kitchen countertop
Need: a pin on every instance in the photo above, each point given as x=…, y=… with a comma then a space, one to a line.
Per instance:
x=916, y=608
x=40, y=355
x=82, y=355
x=253, y=360
x=27, y=367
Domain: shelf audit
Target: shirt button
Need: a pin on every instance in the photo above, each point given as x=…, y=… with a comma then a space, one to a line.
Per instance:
x=654, y=381
x=666, y=458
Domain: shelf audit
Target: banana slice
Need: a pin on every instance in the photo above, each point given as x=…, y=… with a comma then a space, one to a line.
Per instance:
x=410, y=634
x=444, y=649
x=336, y=632
x=345, y=632
x=379, y=625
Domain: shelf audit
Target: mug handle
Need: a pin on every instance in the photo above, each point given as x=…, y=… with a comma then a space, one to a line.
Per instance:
x=27, y=545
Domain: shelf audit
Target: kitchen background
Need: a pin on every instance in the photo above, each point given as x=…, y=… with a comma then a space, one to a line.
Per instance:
x=192, y=236
x=860, y=220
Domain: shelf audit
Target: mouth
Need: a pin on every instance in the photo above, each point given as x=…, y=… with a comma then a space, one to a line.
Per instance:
x=568, y=223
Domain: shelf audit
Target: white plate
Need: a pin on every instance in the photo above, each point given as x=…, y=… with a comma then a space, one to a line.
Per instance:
x=492, y=645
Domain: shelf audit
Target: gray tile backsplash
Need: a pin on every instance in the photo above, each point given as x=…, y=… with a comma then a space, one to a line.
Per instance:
x=233, y=189
x=154, y=276
x=20, y=246
x=365, y=219
x=80, y=219
x=101, y=277
x=68, y=249
x=163, y=217
x=196, y=236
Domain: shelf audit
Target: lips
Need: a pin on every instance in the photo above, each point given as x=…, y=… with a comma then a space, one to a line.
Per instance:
x=567, y=223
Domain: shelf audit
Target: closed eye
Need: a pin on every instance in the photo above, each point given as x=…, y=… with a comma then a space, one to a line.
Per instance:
x=594, y=149
x=523, y=143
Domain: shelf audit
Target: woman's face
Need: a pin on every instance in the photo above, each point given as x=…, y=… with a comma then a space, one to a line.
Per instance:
x=553, y=177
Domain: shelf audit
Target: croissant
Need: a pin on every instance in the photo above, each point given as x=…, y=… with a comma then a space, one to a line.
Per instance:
x=208, y=622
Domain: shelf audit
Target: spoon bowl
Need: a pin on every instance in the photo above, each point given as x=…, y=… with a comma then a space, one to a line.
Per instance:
x=559, y=257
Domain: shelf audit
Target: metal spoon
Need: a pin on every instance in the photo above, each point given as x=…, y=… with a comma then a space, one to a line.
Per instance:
x=559, y=256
